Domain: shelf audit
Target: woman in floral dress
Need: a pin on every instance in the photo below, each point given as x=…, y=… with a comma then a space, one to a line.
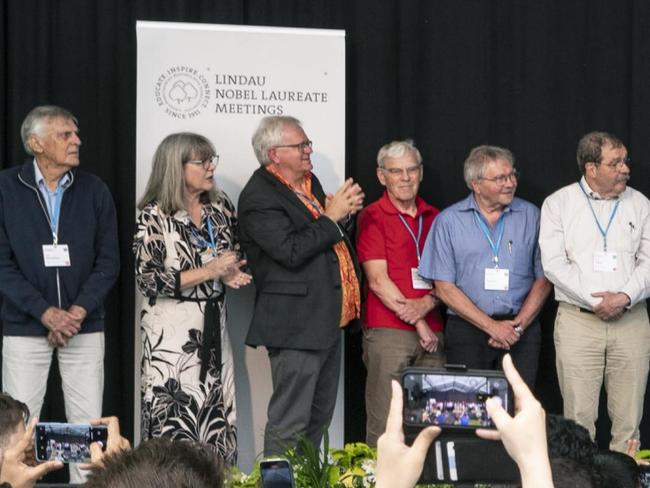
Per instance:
x=186, y=249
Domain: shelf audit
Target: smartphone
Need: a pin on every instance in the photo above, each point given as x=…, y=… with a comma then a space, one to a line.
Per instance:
x=452, y=399
x=276, y=473
x=68, y=443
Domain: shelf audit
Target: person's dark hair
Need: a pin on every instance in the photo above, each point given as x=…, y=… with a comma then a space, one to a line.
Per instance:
x=12, y=413
x=567, y=439
x=590, y=147
x=160, y=463
x=616, y=470
x=568, y=473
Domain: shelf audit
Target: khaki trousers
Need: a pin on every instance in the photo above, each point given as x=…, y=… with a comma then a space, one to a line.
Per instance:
x=590, y=351
x=385, y=353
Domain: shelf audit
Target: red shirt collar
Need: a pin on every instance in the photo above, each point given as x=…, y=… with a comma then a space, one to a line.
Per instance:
x=387, y=206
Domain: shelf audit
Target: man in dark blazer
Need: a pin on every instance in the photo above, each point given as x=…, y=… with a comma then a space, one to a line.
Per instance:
x=306, y=276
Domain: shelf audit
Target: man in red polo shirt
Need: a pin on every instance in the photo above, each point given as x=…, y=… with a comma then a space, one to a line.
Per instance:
x=402, y=324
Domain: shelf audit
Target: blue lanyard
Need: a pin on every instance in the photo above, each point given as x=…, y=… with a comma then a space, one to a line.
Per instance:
x=486, y=232
x=416, y=239
x=603, y=232
x=212, y=243
x=55, y=210
x=201, y=241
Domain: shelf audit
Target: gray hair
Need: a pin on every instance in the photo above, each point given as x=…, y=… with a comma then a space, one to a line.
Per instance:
x=590, y=148
x=166, y=185
x=397, y=149
x=33, y=123
x=478, y=159
x=269, y=134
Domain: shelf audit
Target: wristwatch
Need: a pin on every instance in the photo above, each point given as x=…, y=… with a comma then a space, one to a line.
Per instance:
x=519, y=330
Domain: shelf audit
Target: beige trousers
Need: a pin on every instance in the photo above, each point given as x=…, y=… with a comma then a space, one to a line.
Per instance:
x=590, y=351
x=386, y=352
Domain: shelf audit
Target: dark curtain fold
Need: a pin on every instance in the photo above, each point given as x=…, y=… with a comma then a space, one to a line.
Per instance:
x=531, y=76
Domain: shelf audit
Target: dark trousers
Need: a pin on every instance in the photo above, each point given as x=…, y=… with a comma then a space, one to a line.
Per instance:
x=467, y=344
x=305, y=384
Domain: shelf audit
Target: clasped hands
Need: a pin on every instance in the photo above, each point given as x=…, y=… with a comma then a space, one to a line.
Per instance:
x=347, y=201
x=612, y=306
x=504, y=333
x=412, y=311
x=227, y=268
x=62, y=324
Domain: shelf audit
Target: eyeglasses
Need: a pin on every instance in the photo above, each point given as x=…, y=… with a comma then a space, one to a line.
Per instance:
x=410, y=171
x=617, y=163
x=301, y=146
x=206, y=163
x=502, y=179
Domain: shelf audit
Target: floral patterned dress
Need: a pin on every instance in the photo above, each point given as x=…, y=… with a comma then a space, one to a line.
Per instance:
x=176, y=401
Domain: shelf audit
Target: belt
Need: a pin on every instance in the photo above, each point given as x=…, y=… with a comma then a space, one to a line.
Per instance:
x=586, y=310
x=503, y=316
x=211, y=338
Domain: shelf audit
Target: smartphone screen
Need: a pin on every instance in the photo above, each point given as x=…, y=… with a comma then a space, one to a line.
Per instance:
x=68, y=443
x=276, y=473
x=451, y=399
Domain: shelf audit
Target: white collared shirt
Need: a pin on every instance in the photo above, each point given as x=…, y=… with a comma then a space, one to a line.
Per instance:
x=569, y=237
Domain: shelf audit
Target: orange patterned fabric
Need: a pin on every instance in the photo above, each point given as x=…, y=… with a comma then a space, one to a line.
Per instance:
x=351, y=304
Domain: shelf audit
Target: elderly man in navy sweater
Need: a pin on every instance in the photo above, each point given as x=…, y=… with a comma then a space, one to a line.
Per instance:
x=58, y=260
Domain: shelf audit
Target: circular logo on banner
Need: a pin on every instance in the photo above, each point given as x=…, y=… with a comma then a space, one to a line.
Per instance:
x=183, y=92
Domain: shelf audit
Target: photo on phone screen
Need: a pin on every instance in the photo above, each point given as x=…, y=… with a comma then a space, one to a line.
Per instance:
x=276, y=473
x=451, y=400
x=69, y=443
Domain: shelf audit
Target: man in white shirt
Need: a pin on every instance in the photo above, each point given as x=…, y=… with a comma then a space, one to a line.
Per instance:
x=595, y=243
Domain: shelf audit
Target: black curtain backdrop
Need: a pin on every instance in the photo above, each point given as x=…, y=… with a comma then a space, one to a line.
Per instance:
x=530, y=76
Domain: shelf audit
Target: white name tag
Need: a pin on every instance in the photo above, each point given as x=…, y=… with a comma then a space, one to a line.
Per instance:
x=56, y=256
x=605, y=261
x=497, y=279
x=418, y=282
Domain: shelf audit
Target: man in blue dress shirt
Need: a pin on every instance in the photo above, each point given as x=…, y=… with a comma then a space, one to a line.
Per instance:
x=483, y=256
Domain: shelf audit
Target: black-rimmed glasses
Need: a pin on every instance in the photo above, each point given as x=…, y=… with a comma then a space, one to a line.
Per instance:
x=206, y=163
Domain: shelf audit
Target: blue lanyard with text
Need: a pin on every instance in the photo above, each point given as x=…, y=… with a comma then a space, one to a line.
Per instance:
x=416, y=239
x=201, y=241
x=603, y=232
x=212, y=243
x=486, y=232
x=55, y=211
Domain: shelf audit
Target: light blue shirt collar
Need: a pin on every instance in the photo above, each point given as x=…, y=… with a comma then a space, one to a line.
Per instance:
x=40, y=180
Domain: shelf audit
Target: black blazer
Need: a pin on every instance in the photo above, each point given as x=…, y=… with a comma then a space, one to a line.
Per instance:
x=294, y=266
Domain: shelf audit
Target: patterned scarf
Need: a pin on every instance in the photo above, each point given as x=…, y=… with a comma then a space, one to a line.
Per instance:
x=351, y=304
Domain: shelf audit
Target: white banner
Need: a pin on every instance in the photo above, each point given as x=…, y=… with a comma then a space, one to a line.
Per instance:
x=219, y=81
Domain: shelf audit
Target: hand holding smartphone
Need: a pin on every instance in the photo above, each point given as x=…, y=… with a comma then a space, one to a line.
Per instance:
x=452, y=399
x=69, y=443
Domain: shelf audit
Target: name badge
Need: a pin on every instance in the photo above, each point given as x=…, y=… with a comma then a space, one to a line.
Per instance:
x=56, y=256
x=605, y=261
x=418, y=282
x=497, y=279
